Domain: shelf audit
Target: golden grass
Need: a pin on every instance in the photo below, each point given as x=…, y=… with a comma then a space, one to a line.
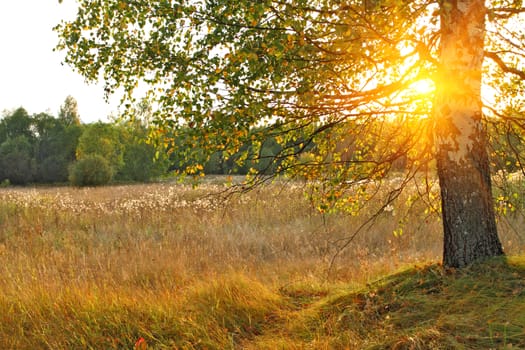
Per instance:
x=104, y=267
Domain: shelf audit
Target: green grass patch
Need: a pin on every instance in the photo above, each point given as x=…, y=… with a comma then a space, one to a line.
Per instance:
x=428, y=307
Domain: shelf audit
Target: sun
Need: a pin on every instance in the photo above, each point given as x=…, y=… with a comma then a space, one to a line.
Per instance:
x=423, y=87
x=419, y=97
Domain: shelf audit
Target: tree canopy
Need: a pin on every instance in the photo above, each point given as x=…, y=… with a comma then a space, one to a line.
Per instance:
x=346, y=89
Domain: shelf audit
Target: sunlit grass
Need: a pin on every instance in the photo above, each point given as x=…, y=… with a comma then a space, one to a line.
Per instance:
x=170, y=264
x=422, y=307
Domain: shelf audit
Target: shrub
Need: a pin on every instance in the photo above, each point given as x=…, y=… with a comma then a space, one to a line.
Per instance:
x=93, y=170
x=5, y=183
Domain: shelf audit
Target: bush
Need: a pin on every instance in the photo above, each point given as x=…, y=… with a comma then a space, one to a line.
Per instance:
x=5, y=183
x=93, y=170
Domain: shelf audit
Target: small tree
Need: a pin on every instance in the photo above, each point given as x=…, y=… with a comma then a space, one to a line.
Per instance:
x=105, y=140
x=92, y=170
x=68, y=112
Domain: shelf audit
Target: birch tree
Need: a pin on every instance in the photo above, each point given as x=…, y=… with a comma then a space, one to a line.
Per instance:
x=347, y=88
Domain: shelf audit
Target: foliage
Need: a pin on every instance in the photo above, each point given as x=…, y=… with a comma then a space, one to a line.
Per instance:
x=17, y=140
x=68, y=113
x=40, y=148
x=272, y=64
x=125, y=149
x=55, y=148
x=325, y=76
x=140, y=163
x=144, y=153
x=246, y=160
x=5, y=183
x=16, y=161
x=18, y=123
x=104, y=140
x=91, y=170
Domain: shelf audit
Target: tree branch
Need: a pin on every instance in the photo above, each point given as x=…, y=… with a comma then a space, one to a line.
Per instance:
x=508, y=10
x=504, y=67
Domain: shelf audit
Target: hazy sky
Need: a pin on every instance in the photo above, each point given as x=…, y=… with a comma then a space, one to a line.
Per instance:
x=31, y=74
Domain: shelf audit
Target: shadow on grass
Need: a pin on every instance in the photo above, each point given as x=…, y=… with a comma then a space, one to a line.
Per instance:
x=428, y=307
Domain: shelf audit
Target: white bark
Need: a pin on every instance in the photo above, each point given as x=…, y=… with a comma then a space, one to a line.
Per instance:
x=469, y=223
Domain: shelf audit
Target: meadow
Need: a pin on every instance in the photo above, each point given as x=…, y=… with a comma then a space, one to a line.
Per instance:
x=169, y=266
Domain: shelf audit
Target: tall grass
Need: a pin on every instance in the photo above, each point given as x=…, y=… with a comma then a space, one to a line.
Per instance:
x=180, y=268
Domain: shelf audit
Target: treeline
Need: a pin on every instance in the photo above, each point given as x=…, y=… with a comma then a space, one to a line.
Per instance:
x=42, y=148
x=47, y=149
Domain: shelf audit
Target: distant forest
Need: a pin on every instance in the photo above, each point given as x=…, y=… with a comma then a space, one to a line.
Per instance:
x=46, y=149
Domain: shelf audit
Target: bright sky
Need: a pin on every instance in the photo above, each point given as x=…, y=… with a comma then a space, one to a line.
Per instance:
x=31, y=74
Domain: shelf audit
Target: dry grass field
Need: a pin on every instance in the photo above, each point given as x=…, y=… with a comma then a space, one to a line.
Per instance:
x=167, y=266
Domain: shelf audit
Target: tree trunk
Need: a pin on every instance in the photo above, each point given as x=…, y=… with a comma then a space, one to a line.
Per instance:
x=470, y=232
